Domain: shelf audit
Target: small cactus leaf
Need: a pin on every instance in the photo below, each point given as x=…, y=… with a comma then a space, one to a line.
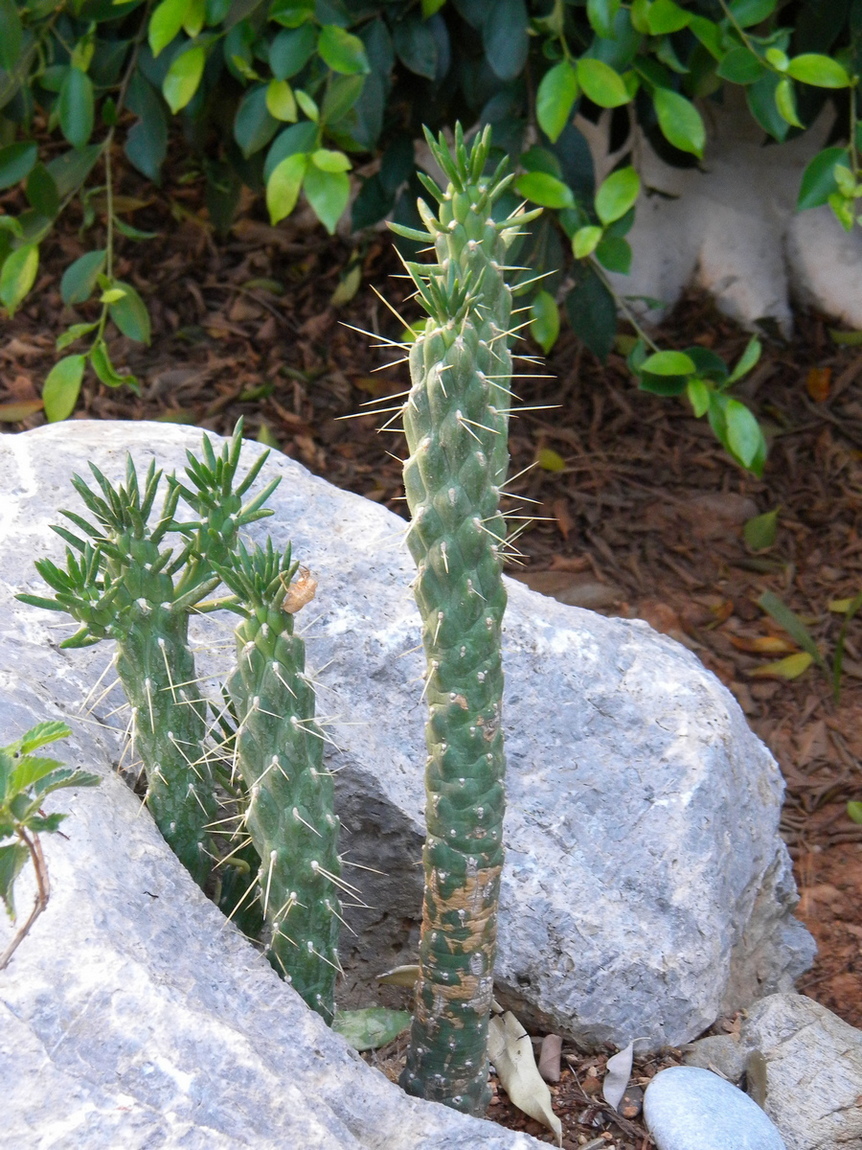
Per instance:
x=511, y=1052
x=371, y=1028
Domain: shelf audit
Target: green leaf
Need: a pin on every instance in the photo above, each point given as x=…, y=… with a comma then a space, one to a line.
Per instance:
x=42, y=192
x=48, y=731
x=13, y=857
x=62, y=387
x=147, y=140
x=280, y=101
x=846, y=338
x=416, y=46
x=254, y=125
x=308, y=105
x=788, y=668
x=760, y=97
x=284, y=185
x=371, y=1028
x=746, y=13
x=329, y=161
x=506, y=39
x=818, y=179
x=792, y=624
x=183, y=77
x=165, y=24
x=75, y=107
x=819, y=71
x=585, y=240
x=16, y=161
x=341, y=51
x=760, y=532
x=12, y=40
x=291, y=13
x=328, y=193
x=592, y=311
x=545, y=189
x=785, y=102
x=669, y=363
x=601, y=15
x=747, y=360
x=130, y=314
x=615, y=254
x=291, y=50
x=550, y=460
x=778, y=59
x=854, y=811
x=664, y=17
x=617, y=194
x=79, y=278
x=342, y=92
x=740, y=66
x=107, y=373
x=18, y=275
x=544, y=320
x=698, y=396
x=601, y=83
x=74, y=332
x=744, y=436
x=679, y=121
x=555, y=99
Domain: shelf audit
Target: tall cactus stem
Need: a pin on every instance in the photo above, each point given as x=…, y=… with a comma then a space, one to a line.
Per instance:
x=279, y=751
x=456, y=422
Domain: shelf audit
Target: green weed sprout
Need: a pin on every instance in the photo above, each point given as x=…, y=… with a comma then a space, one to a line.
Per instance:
x=26, y=780
x=122, y=582
x=279, y=752
x=456, y=422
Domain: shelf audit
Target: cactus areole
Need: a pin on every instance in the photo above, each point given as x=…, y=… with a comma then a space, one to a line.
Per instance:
x=456, y=422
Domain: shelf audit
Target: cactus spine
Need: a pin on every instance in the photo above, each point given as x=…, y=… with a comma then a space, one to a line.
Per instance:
x=279, y=752
x=123, y=587
x=456, y=422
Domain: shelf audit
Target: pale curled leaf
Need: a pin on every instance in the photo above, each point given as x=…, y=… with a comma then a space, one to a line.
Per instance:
x=511, y=1051
x=400, y=975
x=617, y=1077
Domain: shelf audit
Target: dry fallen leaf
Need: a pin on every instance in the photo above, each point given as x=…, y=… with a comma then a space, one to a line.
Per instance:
x=617, y=1077
x=511, y=1051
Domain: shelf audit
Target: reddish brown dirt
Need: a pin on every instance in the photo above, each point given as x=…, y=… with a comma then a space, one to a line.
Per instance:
x=643, y=519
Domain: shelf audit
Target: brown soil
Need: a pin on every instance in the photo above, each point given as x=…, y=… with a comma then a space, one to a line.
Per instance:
x=643, y=518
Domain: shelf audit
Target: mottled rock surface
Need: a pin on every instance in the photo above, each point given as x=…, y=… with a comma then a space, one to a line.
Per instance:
x=646, y=889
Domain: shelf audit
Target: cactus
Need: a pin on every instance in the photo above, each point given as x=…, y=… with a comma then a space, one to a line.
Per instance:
x=456, y=421
x=122, y=586
x=279, y=752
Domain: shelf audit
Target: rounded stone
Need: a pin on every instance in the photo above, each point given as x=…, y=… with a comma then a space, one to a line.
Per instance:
x=686, y=1108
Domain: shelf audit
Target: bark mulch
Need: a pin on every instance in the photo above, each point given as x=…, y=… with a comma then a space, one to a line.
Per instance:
x=639, y=513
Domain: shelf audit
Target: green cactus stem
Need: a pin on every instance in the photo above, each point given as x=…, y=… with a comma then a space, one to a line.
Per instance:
x=456, y=420
x=279, y=752
x=122, y=585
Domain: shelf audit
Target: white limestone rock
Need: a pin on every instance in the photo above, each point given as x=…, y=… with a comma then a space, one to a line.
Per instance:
x=646, y=890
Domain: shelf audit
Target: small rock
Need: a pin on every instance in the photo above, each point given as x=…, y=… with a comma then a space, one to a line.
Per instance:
x=687, y=1108
x=549, y=1058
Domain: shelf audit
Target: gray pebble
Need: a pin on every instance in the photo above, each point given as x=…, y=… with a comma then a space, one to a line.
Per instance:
x=687, y=1108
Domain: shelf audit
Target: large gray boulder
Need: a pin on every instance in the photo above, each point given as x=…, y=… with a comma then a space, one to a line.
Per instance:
x=646, y=890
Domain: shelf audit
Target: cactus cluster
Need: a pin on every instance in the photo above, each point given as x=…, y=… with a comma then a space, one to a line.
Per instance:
x=456, y=423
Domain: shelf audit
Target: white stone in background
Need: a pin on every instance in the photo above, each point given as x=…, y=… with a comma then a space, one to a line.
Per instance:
x=813, y=1069
x=731, y=226
x=646, y=889
x=686, y=1108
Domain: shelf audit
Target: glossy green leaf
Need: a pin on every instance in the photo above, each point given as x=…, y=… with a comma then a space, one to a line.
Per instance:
x=584, y=241
x=743, y=432
x=12, y=39
x=778, y=59
x=75, y=107
x=555, y=98
x=130, y=314
x=328, y=193
x=785, y=102
x=416, y=46
x=545, y=189
x=669, y=363
x=308, y=104
x=679, y=121
x=790, y=667
x=544, y=320
x=147, y=140
x=165, y=24
x=280, y=101
x=13, y=858
x=62, y=387
x=506, y=39
x=709, y=35
x=74, y=332
x=615, y=254
x=105, y=370
x=592, y=311
x=17, y=162
x=284, y=185
x=195, y=17
x=747, y=13
x=741, y=66
x=601, y=15
x=291, y=50
x=617, y=194
x=342, y=92
x=291, y=13
x=183, y=77
x=42, y=193
x=18, y=275
x=854, y=811
x=761, y=531
x=760, y=97
x=341, y=51
x=79, y=278
x=601, y=83
x=698, y=396
x=747, y=360
x=297, y=138
x=665, y=17
x=254, y=125
x=550, y=460
x=329, y=161
x=819, y=71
